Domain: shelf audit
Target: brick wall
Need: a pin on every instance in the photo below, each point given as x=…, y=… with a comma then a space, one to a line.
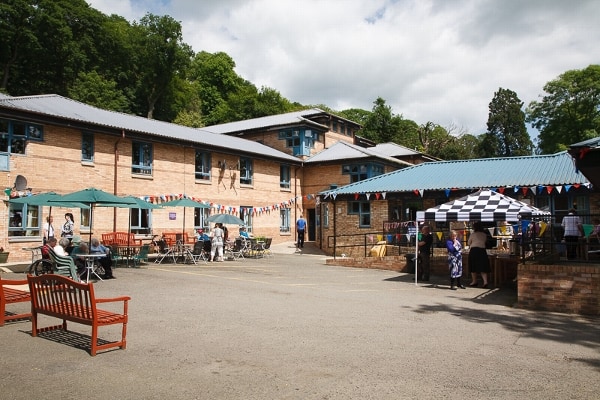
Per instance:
x=560, y=288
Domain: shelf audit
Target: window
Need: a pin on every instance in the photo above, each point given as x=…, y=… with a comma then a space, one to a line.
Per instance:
x=141, y=160
x=14, y=134
x=87, y=147
x=84, y=223
x=140, y=220
x=360, y=172
x=284, y=220
x=326, y=215
x=202, y=165
x=363, y=210
x=245, y=171
x=200, y=215
x=23, y=220
x=284, y=176
x=246, y=216
x=300, y=140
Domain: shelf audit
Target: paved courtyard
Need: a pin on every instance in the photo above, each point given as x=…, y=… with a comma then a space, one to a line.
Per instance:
x=291, y=327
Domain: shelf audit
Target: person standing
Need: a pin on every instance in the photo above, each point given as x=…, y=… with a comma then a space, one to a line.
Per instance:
x=48, y=229
x=478, y=258
x=425, y=253
x=572, y=231
x=300, y=230
x=68, y=226
x=216, y=244
x=454, y=260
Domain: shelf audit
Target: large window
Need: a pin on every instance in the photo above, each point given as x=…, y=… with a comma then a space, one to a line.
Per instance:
x=87, y=147
x=246, y=216
x=363, y=210
x=360, y=172
x=284, y=176
x=200, y=215
x=23, y=220
x=141, y=221
x=245, y=171
x=326, y=215
x=301, y=141
x=141, y=159
x=202, y=165
x=284, y=218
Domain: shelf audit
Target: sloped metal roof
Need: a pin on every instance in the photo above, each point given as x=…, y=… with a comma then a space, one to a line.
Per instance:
x=530, y=171
x=71, y=110
x=341, y=151
x=296, y=117
x=394, y=150
x=593, y=142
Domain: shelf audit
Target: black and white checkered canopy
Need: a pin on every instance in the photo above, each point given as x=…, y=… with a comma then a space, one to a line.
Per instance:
x=484, y=205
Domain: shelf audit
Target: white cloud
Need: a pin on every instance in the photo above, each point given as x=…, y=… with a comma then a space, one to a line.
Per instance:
x=431, y=60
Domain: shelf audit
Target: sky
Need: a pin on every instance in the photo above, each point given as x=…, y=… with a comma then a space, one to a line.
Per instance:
x=430, y=60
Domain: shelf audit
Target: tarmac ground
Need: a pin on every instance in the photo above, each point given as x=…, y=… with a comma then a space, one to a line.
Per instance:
x=292, y=327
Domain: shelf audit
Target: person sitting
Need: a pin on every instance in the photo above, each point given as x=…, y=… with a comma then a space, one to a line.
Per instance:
x=80, y=248
x=61, y=247
x=244, y=233
x=50, y=244
x=106, y=262
x=201, y=235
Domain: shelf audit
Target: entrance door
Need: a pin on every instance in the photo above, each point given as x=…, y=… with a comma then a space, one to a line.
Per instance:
x=311, y=224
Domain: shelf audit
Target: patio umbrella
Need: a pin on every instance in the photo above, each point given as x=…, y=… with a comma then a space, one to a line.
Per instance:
x=184, y=202
x=226, y=219
x=95, y=197
x=50, y=199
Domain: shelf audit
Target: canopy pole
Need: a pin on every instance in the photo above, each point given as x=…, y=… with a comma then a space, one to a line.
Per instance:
x=416, y=260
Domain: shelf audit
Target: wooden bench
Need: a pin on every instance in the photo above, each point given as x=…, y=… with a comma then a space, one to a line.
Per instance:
x=61, y=297
x=10, y=296
x=120, y=239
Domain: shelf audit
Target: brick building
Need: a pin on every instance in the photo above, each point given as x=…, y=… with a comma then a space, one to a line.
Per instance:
x=260, y=170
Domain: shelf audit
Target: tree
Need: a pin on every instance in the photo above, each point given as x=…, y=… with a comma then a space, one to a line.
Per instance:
x=569, y=112
x=91, y=88
x=162, y=56
x=381, y=125
x=507, y=134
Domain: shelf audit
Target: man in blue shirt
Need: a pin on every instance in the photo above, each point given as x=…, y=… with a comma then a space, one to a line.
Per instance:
x=300, y=229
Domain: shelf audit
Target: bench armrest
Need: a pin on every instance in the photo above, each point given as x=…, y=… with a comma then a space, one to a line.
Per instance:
x=113, y=299
x=13, y=282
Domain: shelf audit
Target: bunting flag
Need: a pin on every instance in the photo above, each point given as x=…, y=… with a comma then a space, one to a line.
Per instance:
x=559, y=189
x=525, y=189
x=377, y=196
x=567, y=187
x=447, y=192
x=416, y=192
x=533, y=190
x=368, y=195
x=356, y=195
x=516, y=189
x=501, y=190
x=549, y=189
x=439, y=235
x=383, y=195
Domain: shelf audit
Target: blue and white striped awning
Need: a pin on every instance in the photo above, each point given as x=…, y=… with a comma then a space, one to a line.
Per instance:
x=484, y=205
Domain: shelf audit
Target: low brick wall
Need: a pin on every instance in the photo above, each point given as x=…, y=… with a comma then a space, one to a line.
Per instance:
x=568, y=289
x=560, y=288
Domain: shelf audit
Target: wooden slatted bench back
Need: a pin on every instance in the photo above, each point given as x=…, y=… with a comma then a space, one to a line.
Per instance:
x=61, y=297
x=11, y=296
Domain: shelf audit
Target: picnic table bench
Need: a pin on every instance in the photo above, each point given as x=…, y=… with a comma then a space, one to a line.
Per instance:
x=10, y=296
x=61, y=297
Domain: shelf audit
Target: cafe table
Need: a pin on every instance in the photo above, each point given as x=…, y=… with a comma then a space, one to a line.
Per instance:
x=90, y=264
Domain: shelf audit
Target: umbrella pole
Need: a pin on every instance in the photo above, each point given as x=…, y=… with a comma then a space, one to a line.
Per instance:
x=416, y=252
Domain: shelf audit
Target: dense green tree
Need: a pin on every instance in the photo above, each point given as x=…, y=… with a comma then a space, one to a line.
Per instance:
x=506, y=134
x=162, y=56
x=93, y=89
x=570, y=111
x=357, y=115
x=381, y=125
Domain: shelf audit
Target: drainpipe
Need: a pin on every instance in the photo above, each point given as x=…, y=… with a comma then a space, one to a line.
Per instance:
x=115, y=183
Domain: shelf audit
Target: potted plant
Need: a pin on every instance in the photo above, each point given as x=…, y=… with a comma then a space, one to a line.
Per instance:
x=3, y=255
